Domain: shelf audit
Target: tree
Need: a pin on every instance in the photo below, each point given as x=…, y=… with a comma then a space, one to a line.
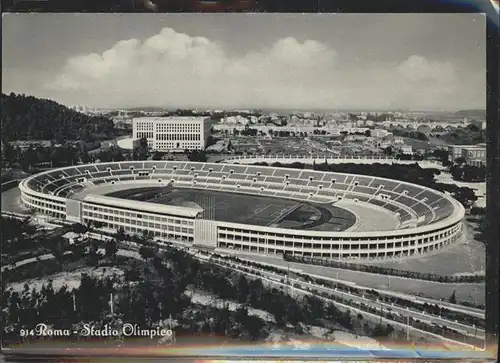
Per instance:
x=111, y=248
x=473, y=128
x=85, y=157
x=241, y=314
x=79, y=228
x=243, y=289
x=332, y=311
x=30, y=118
x=146, y=252
x=143, y=150
x=197, y=155
x=253, y=325
x=10, y=154
x=93, y=254
x=314, y=307
x=120, y=235
x=453, y=298
x=98, y=224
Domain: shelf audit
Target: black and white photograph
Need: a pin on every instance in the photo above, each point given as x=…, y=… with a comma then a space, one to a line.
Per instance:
x=198, y=184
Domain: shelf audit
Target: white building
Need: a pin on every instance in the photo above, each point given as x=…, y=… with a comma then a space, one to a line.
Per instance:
x=72, y=237
x=406, y=149
x=172, y=133
x=467, y=151
x=379, y=133
x=235, y=120
x=398, y=140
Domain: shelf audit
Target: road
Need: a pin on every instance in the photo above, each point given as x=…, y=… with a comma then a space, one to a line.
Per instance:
x=379, y=305
x=478, y=313
x=343, y=306
x=473, y=292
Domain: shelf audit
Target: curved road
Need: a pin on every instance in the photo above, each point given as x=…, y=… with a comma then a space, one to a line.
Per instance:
x=473, y=292
x=379, y=305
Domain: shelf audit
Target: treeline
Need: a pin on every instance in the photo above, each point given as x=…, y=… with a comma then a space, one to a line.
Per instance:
x=36, y=156
x=151, y=291
x=30, y=118
x=470, y=135
x=251, y=293
x=468, y=173
x=410, y=134
x=385, y=270
x=412, y=173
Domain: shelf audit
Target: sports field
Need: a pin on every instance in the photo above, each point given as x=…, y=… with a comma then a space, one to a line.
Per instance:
x=248, y=209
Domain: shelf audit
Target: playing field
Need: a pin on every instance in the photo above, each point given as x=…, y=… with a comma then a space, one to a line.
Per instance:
x=248, y=209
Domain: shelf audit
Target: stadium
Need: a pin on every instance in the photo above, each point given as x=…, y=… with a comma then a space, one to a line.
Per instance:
x=249, y=208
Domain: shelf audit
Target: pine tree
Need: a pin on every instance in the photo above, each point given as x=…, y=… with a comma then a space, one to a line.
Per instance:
x=453, y=298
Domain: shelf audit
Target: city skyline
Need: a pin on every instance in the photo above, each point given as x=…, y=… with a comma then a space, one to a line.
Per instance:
x=240, y=61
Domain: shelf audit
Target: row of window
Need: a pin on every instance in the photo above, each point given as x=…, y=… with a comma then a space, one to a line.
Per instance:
x=178, y=137
x=144, y=127
x=270, y=236
x=178, y=145
x=44, y=203
x=178, y=127
x=387, y=254
x=144, y=135
x=89, y=208
x=343, y=246
x=132, y=222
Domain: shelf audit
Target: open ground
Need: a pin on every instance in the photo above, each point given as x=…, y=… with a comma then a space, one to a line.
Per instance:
x=249, y=209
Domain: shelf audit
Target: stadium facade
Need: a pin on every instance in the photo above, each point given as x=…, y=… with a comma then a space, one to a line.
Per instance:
x=174, y=133
x=428, y=220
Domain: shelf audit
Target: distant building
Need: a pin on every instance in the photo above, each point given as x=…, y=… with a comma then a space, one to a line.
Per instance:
x=25, y=145
x=478, y=123
x=219, y=146
x=398, y=140
x=108, y=144
x=456, y=151
x=72, y=237
x=384, y=145
x=235, y=120
x=475, y=156
x=174, y=133
x=406, y=149
x=378, y=133
x=123, y=124
x=354, y=138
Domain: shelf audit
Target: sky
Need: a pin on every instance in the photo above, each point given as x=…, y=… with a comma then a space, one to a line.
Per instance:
x=234, y=61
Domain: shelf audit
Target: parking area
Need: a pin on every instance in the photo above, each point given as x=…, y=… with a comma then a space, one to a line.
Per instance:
x=289, y=146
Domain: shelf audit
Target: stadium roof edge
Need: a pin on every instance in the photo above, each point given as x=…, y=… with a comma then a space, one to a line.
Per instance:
x=143, y=206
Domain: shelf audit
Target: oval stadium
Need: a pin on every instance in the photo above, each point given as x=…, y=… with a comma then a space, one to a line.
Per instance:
x=256, y=209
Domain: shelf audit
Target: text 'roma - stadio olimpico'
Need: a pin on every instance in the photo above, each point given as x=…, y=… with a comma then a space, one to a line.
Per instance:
x=427, y=219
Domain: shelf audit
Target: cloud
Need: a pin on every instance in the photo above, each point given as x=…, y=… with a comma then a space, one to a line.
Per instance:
x=418, y=69
x=178, y=70
x=175, y=68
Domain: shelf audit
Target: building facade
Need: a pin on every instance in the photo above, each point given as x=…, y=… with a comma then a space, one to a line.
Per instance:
x=473, y=154
x=429, y=219
x=456, y=151
x=172, y=133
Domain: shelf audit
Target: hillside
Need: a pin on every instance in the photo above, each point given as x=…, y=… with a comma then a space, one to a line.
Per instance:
x=477, y=114
x=30, y=118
